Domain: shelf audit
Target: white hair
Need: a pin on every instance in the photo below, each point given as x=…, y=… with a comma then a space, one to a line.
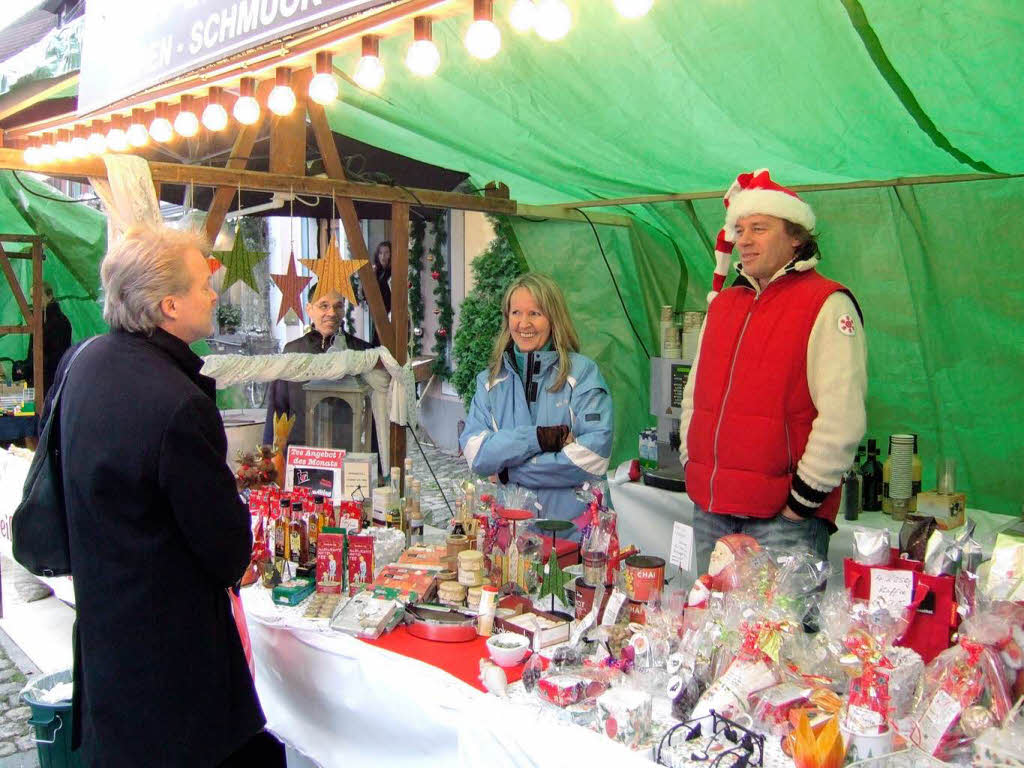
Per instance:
x=142, y=269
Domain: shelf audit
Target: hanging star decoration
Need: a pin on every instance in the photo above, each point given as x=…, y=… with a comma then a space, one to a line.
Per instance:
x=292, y=286
x=334, y=273
x=240, y=262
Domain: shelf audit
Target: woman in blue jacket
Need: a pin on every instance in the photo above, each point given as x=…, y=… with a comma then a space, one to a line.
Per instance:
x=541, y=416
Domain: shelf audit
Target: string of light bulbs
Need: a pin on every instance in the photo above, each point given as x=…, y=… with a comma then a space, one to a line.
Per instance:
x=551, y=20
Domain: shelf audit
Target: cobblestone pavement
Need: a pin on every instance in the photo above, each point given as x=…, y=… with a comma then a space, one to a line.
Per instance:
x=448, y=469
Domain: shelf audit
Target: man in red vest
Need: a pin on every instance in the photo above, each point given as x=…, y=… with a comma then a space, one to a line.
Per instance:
x=774, y=406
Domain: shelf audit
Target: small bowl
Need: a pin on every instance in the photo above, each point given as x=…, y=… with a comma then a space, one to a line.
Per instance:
x=513, y=648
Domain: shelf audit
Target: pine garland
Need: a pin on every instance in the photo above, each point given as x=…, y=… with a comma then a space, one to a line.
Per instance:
x=480, y=314
x=416, y=250
x=442, y=293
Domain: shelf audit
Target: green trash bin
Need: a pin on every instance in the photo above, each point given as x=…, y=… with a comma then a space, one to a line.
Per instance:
x=52, y=723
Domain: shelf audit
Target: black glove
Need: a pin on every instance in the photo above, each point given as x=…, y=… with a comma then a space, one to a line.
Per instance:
x=551, y=439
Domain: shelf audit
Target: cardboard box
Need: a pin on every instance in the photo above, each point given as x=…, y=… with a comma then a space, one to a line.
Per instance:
x=430, y=558
x=410, y=585
x=330, y=567
x=360, y=562
x=543, y=629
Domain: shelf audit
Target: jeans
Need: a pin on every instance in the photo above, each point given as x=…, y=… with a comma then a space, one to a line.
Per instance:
x=777, y=533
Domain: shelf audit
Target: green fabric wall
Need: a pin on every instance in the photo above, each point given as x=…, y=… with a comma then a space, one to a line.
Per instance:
x=832, y=91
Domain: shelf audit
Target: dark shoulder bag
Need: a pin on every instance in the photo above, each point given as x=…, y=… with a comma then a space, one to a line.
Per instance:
x=39, y=528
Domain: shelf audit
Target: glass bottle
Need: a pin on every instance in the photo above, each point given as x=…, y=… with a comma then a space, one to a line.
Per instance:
x=414, y=512
x=886, y=474
x=871, y=471
x=853, y=493
x=314, y=521
x=298, y=538
x=281, y=548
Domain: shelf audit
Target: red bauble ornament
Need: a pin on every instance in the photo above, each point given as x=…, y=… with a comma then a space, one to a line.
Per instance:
x=435, y=274
x=442, y=331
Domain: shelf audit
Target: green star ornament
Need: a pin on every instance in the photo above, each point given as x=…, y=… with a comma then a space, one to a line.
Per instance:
x=240, y=262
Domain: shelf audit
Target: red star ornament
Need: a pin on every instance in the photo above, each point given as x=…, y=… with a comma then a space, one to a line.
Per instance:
x=334, y=273
x=214, y=263
x=292, y=286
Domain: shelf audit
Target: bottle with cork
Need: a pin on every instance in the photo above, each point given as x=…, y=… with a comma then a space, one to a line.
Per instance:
x=871, y=471
x=298, y=536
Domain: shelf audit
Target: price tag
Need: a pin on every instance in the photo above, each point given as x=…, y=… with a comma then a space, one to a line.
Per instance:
x=893, y=590
x=682, y=545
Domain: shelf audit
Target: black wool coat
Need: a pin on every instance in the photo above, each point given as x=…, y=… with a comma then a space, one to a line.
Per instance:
x=158, y=534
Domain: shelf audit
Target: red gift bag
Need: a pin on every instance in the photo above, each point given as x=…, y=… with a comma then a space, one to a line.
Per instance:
x=934, y=603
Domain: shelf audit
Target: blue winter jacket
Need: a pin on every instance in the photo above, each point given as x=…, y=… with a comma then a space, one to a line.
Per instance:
x=501, y=431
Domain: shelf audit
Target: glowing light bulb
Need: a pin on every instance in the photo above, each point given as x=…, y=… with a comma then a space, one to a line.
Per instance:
x=185, y=122
x=247, y=109
x=97, y=141
x=79, y=147
x=63, y=146
x=523, y=15
x=369, y=73
x=423, y=58
x=323, y=88
x=483, y=39
x=137, y=135
x=281, y=100
x=117, y=140
x=215, y=117
x=633, y=9
x=161, y=130
x=47, y=154
x=554, y=19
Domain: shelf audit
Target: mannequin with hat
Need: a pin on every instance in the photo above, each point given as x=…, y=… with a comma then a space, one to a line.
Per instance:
x=773, y=409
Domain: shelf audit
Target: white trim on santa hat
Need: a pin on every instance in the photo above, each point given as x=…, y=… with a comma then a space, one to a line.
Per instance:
x=770, y=202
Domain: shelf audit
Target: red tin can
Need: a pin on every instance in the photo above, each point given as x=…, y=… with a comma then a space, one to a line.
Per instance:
x=645, y=576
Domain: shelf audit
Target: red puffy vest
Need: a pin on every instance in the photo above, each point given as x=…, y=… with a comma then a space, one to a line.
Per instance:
x=752, y=410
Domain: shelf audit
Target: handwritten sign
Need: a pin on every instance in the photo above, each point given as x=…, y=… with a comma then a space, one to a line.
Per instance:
x=682, y=545
x=893, y=590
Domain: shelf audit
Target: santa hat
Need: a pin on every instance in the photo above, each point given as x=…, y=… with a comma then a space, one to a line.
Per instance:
x=754, y=193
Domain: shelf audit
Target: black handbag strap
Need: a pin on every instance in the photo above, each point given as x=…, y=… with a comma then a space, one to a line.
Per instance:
x=55, y=403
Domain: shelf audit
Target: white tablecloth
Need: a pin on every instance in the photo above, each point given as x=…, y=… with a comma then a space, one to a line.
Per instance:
x=646, y=515
x=342, y=702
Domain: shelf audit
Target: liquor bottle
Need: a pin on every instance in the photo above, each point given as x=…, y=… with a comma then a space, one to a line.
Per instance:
x=886, y=474
x=871, y=471
x=853, y=485
x=313, y=524
x=414, y=512
x=298, y=538
x=281, y=548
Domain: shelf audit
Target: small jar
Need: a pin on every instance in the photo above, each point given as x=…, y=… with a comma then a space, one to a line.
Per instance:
x=473, y=598
x=451, y=593
x=471, y=568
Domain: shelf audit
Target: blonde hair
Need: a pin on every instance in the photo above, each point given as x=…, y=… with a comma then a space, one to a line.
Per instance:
x=141, y=270
x=551, y=301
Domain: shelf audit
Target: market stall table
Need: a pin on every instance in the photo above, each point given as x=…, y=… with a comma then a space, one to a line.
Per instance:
x=341, y=701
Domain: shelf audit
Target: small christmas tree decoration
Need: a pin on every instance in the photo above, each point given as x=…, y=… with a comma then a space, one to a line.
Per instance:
x=552, y=578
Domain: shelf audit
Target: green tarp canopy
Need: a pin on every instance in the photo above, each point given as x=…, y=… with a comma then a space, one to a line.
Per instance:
x=818, y=91
x=74, y=241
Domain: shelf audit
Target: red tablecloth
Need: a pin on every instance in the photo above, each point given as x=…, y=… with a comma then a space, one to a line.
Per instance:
x=462, y=660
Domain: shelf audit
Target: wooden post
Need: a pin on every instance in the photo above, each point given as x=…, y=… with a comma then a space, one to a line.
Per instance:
x=37, y=325
x=349, y=219
x=399, y=312
x=288, y=132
